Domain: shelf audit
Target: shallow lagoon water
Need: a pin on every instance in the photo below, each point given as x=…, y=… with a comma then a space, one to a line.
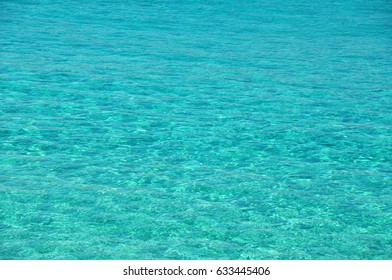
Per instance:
x=195, y=129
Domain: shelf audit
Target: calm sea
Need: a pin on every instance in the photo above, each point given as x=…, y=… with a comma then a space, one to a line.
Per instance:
x=196, y=129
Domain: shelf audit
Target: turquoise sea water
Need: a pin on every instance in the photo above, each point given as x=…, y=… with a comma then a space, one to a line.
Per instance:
x=196, y=129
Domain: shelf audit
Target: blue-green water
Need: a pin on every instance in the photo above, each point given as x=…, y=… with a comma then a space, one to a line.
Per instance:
x=196, y=129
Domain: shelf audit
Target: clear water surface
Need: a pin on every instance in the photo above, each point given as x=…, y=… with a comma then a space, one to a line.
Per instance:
x=195, y=129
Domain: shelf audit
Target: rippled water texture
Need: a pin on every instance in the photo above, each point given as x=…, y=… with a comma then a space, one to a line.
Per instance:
x=196, y=129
